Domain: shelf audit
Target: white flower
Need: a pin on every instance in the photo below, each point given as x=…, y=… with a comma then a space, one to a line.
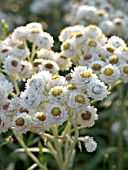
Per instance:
x=93, y=31
x=21, y=123
x=87, y=116
x=5, y=51
x=39, y=122
x=57, y=114
x=110, y=74
x=7, y=86
x=57, y=94
x=20, y=51
x=20, y=32
x=97, y=90
x=124, y=72
x=107, y=27
x=32, y=34
x=34, y=25
x=25, y=71
x=116, y=42
x=30, y=99
x=69, y=48
x=4, y=123
x=82, y=76
x=63, y=62
x=44, y=40
x=12, y=65
x=96, y=66
x=57, y=80
x=90, y=145
x=77, y=100
x=45, y=54
x=50, y=66
x=122, y=52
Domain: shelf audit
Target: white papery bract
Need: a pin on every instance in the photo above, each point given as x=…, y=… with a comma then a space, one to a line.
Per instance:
x=124, y=72
x=30, y=99
x=97, y=90
x=20, y=32
x=116, y=42
x=87, y=116
x=4, y=123
x=57, y=114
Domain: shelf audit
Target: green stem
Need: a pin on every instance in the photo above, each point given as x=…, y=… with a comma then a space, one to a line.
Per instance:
x=57, y=146
x=15, y=84
x=71, y=148
x=21, y=142
x=33, y=52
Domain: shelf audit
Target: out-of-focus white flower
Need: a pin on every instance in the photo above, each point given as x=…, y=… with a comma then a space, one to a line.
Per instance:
x=45, y=54
x=116, y=42
x=90, y=145
x=107, y=27
x=124, y=72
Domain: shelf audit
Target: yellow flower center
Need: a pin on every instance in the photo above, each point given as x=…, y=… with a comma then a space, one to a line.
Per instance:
x=56, y=92
x=66, y=46
x=113, y=60
x=79, y=98
x=108, y=71
x=93, y=27
x=92, y=44
x=125, y=69
x=41, y=117
x=71, y=87
x=63, y=30
x=55, y=76
x=86, y=74
x=96, y=67
x=35, y=31
x=125, y=49
x=111, y=49
x=101, y=13
x=56, y=111
x=20, y=121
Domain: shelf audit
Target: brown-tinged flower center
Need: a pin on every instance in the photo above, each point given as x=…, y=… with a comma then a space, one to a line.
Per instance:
x=41, y=117
x=6, y=105
x=20, y=121
x=22, y=110
x=113, y=60
x=49, y=66
x=14, y=63
x=66, y=46
x=125, y=69
x=4, y=50
x=111, y=49
x=87, y=57
x=92, y=43
x=86, y=116
x=96, y=67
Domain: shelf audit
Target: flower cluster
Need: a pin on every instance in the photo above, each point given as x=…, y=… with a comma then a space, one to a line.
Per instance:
x=111, y=18
x=88, y=46
x=28, y=50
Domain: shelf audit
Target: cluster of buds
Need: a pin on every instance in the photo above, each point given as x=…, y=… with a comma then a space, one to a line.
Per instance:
x=100, y=13
x=88, y=46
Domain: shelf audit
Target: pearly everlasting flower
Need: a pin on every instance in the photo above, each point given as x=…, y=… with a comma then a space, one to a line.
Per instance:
x=30, y=99
x=107, y=27
x=82, y=76
x=57, y=94
x=110, y=74
x=96, y=66
x=57, y=80
x=44, y=40
x=21, y=123
x=39, y=122
x=32, y=34
x=93, y=31
x=34, y=25
x=63, y=62
x=97, y=90
x=87, y=116
x=4, y=123
x=45, y=54
x=116, y=42
x=5, y=51
x=90, y=144
x=20, y=32
x=77, y=100
x=57, y=114
x=124, y=72
x=20, y=51
x=12, y=65
x=122, y=52
x=50, y=66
